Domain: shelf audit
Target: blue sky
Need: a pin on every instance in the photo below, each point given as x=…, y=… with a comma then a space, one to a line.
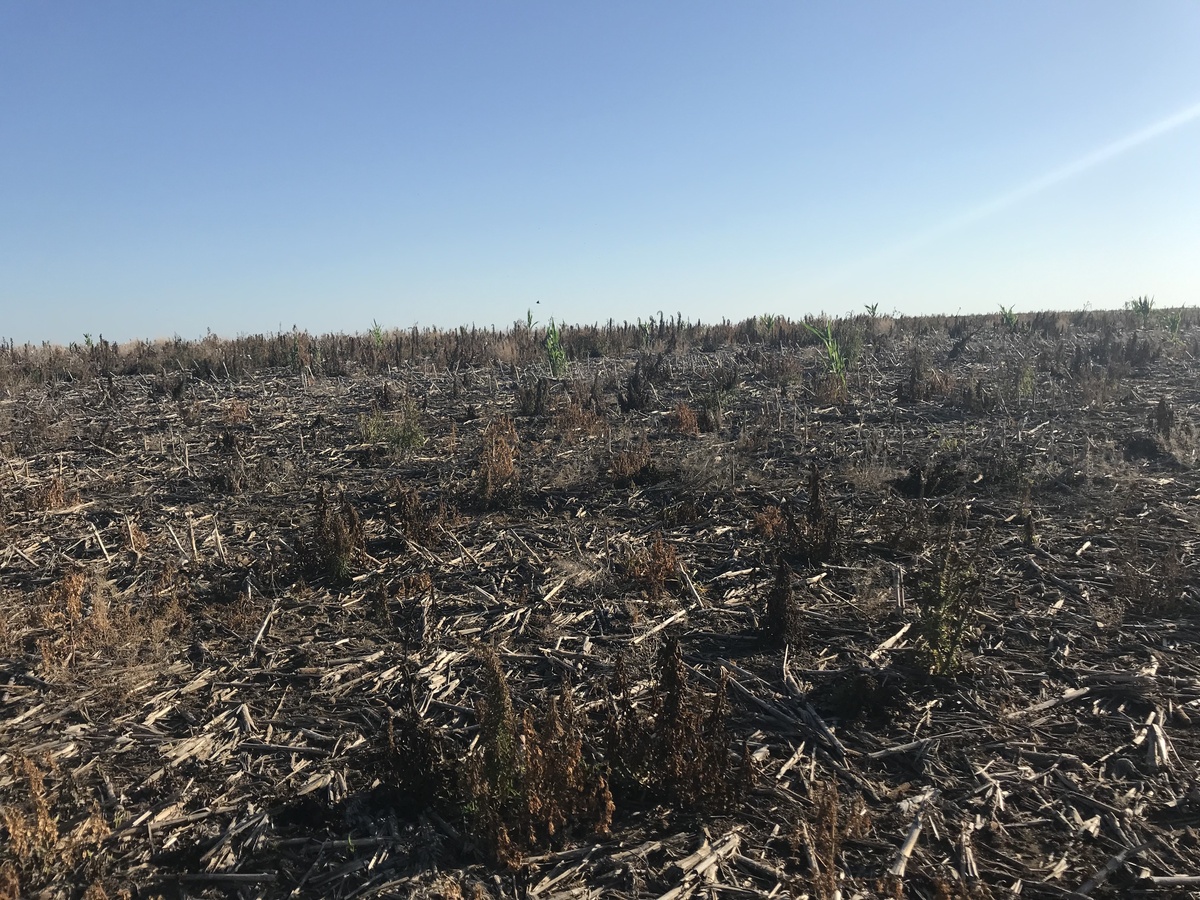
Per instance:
x=171, y=168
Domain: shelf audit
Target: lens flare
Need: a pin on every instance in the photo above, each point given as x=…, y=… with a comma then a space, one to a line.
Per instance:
x=1017, y=195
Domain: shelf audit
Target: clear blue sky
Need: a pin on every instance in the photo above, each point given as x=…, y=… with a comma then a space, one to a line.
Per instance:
x=167, y=168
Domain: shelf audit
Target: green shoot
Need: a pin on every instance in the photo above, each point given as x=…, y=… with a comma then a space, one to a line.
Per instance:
x=834, y=359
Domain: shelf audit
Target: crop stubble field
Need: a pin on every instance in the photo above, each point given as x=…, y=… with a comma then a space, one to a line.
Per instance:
x=408, y=614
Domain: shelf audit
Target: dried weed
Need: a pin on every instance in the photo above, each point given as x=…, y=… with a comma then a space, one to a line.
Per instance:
x=497, y=476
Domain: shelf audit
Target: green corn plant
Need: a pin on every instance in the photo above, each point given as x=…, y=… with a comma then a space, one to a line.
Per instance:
x=556, y=356
x=1008, y=318
x=376, y=335
x=647, y=335
x=834, y=359
x=1174, y=325
x=1141, y=307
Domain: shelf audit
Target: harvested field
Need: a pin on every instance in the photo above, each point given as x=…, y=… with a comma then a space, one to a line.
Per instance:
x=408, y=617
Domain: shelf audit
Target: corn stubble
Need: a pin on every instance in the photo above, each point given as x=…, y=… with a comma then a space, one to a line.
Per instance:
x=323, y=564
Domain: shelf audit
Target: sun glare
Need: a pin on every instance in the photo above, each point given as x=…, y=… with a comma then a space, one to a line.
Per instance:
x=1018, y=195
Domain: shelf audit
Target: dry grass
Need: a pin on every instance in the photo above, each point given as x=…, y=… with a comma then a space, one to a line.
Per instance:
x=782, y=623
x=819, y=842
x=47, y=831
x=497, y=475
x=654, y=568
x=808, y=539
x=235, y=412
x=577, y=418
x=53, y=495
x=419, y=520
x=683, y=421
x=528, y=785
x=679, y=750
x=335, y=542
x=634, y=466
